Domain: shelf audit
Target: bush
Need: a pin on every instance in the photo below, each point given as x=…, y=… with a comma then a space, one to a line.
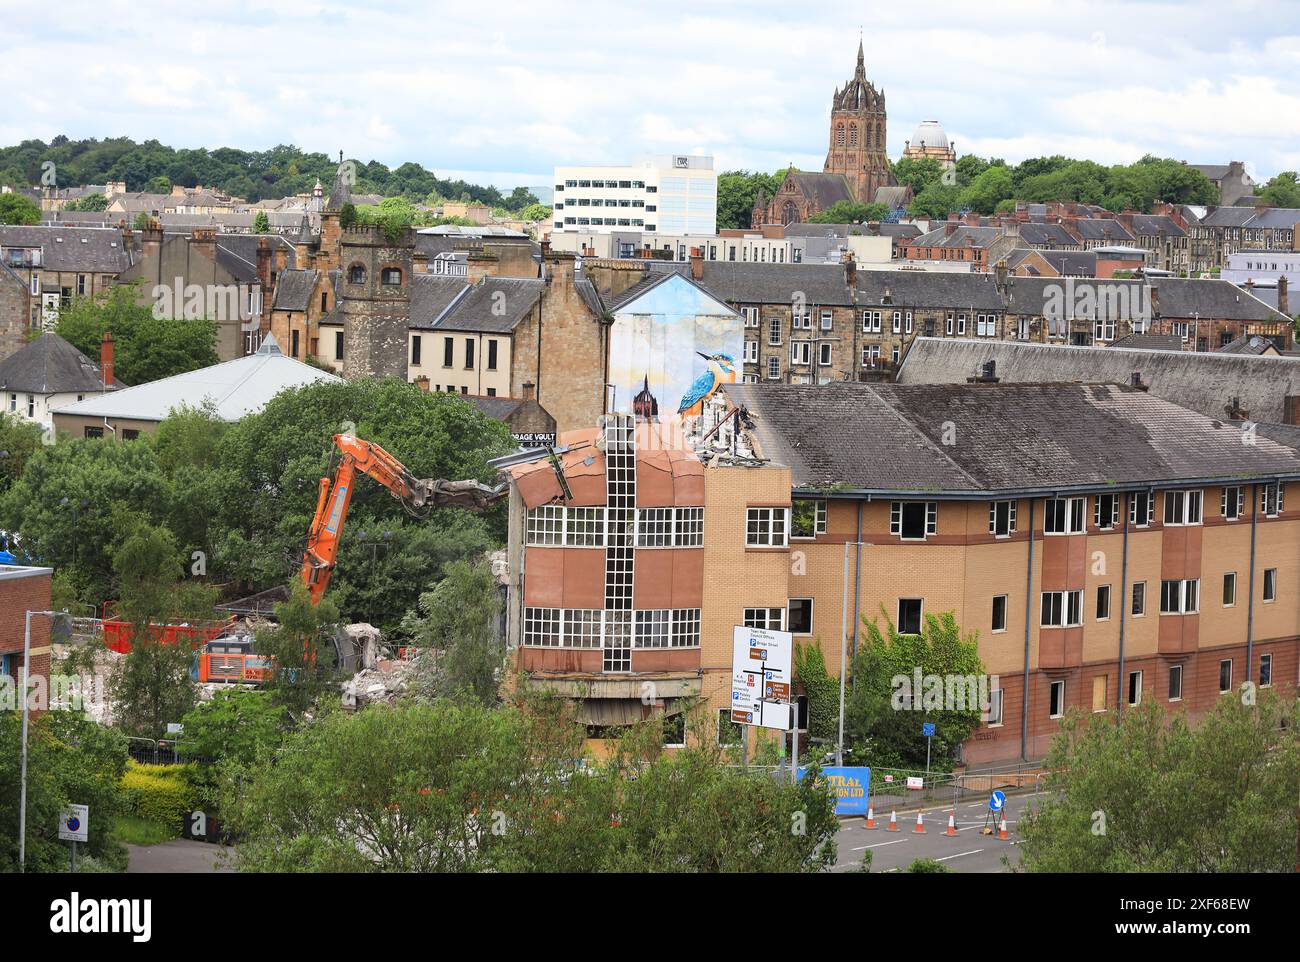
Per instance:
x=159, y=793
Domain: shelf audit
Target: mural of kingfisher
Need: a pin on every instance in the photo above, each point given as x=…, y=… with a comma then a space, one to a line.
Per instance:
x=722, y=370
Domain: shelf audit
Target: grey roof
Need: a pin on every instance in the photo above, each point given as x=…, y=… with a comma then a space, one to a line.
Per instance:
x=1249, y=344
x=1202, y=381
x=1102, y=229
x=893, y=196
x=1016, y=438
x=432, y=294
x=942, y=289
x=492, y=306
x=50, y=365
x=737, y=282
x=1228, y=217
x=293, y=290
x=1149, y=342
x=590, y=296
x=1276, y=217
x=237, y=388
x=1156, y=225
x=1212, y=171
x=1176, y=297
x=1045, y=234
x=90, y=249
x=825, y=190
x=964, y=233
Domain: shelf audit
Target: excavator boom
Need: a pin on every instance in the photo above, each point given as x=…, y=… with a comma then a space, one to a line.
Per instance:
x=416, y=494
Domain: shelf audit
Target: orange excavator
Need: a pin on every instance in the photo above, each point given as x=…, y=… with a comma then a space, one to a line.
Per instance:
x=353, y=456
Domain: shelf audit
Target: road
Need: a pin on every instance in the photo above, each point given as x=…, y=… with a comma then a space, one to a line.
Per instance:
x=178, y=855
x=969, y=851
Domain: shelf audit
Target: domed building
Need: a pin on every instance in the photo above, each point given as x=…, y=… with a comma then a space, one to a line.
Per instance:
x=930, y=140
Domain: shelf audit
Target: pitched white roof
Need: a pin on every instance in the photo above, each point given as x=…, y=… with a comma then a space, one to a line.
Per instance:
x=237, y=388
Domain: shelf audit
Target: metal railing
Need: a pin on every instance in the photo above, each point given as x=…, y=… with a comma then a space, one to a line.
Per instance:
x=150, y=751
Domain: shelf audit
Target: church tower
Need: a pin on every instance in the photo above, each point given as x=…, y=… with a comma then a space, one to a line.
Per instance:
x=857, y=136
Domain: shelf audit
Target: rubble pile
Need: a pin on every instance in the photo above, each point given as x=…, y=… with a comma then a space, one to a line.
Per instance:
x=380, y=684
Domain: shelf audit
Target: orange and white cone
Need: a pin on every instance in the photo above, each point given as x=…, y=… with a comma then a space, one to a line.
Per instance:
x=1002, y=830
x=952, y=824
x=920, y=825
x=871, y=817
x=893, y=821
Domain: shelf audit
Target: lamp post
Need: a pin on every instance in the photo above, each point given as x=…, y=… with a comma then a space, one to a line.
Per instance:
x=22, y=689
x=844, y=639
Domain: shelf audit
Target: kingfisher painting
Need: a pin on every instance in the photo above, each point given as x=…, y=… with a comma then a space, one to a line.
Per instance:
x=721, y=370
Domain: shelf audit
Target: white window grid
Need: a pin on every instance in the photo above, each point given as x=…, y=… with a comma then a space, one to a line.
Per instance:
x=824, y=354
x=1137, y=513
x=542, y=627
x=583, y=627
x=553, y=525
x=1183, y=507
x=1071, y=521
x=774, y=331
x=772, y=619
x=546, y=525
x=819, y=518
x=652, y=628
x=1061, y=609
x=654, y=527
x=686, y=628
x=766, y=527
x=871, y=322
x=751, y=352
x=931, y=518
x=751, y=316
x=828, y=320
x=1180, y=596
x=1271, y=498
x=871, y=355
x=1108, y=518
x=993, y=517
x=773, y=368
x=689, y=525
x=1231, y=502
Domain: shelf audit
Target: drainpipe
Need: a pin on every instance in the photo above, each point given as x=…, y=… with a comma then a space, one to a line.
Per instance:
x=1029, y=608
x=1123, y=605
x=857, y=593
x=1250, y=601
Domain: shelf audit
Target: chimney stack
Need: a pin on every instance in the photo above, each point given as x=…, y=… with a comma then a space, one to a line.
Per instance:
x=1283, y=299
x=850, y=270
x=422, y=382
x=106, y=359
x=529, y=389
x=697, y=264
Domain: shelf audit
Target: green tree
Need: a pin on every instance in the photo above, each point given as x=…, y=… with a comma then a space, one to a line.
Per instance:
x=230, y=732
x=91, y=202
x=19, y=440
x=885, y=710
x=821, y=690
x=737, y=190
x=17, y=208
x=261, y=223
x=301, y=648
x=158, y=185
x=70, y=760
x=142, y=221
x=537, y=212
x=918, y=173
x=1148, y=791
x=850, y=212
x=459, y=622
x=1282, y=190
x=936, y=201
x=987, y=190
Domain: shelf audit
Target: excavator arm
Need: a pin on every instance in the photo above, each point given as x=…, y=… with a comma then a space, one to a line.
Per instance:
x=356, y=456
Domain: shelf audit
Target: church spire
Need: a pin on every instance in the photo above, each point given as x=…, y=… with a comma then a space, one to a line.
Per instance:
x=861, y=72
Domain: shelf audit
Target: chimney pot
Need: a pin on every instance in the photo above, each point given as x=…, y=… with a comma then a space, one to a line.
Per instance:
x=106, y=359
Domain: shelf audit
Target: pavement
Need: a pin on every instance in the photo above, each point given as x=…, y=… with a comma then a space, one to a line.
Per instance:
x=968, y=851
x=178, y=855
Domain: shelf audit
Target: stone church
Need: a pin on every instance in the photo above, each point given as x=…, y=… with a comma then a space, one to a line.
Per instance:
x=856, y=168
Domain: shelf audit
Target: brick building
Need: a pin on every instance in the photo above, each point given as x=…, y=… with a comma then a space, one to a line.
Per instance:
x=24, y=589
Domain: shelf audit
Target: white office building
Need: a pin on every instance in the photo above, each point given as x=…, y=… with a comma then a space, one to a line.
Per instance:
x=668, y=194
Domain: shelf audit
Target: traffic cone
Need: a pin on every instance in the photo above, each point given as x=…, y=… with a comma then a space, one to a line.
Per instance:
x=920, y=825
x=952, y=824
x=1002, y=830
x=893, y=821
x=871, y=817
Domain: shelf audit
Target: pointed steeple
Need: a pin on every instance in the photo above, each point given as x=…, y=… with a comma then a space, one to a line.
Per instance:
x=861, y=71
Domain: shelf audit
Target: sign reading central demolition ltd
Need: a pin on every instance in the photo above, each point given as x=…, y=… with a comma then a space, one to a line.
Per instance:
x=760, y=677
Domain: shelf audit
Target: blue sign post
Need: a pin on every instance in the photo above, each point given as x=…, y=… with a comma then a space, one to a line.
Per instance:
x=927, y=729
x=997, y=801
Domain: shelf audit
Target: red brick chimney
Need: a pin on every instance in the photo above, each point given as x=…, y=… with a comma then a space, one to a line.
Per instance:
x=106, y=359
x=697, y=264
x=203, y=240
x=151, y=239
x=264, y=263
x=529, y=390
x=850, y=270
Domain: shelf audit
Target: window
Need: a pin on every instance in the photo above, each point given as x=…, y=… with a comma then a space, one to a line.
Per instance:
x=492, y=354
x=1099, y=685
x=1225, y=675
x=995, y=708
x=448, y=351
x=1176, y=683
x=1056, y=700
x=1180, y=597
x=914, y=520
x=675, y=730
x=1229, y=589
x=1139, y=599
x=542, y=627
x=581, y=627
x=897, y=326
x=1063, y=516
x=1002, y=518
x=773, y=368
x=751, y=316
x=545, y=525
x=801, y=616
x=774, y=331
x=909, y=616
x=469, y=353
x=824, y=354
x=689, y=527
x=1270, y=499
x=1231, y=502
x=31, y=398
x=871, y=322
x=808, y=518
x=751, y=352
x=999, y=613
x=1182, y=507
x=1105, y=512
x=1141, y=508
x=765, y=527
x=338, y=345
x=685, y=628
x=1265, y=671
x=773, y=619
x=1103, y=602
x=356, y=274
x=652, y=628
x=1134, y=688
x=729, y=733
x=827, y=320
x=800, y=352
x=94, y=432
x=654, y=528
x=1270, y=584
x=1061, y=609
x=391, y=277
x=415, y=349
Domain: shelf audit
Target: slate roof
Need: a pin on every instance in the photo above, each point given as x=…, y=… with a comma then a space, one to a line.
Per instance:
x=977, y=236
x=737, y=282
x=95, y=250
x=1201, y=381
x=1149, y=342
x=1103, y=229
x=1156, y=225
x=1044, y=234
x=941, y=289
x=492, y=306
x=237, y=388
x=431, y=294
x=1017, y=438
x=1228, y=217
x=1248, y=344
x=1176, y=297
x=293, y=290
x=50, y=365
x=825, y=190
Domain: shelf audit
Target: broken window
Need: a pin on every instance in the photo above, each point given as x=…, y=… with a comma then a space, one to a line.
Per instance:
x=808, y=518
x=1002, y=518
x=1106, y=511
x=914, y=520
x=909, y=616
x=801, y=616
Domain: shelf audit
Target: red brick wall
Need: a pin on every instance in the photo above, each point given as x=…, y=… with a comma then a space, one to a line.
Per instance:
x=18, y=595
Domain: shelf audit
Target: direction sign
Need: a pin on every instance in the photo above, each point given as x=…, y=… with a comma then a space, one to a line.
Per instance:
x=996, y=801
x=927, y=729
x=761, y=677
x=74, y=826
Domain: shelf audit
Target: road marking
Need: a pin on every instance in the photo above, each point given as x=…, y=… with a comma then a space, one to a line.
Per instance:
x=974, y=851
x=878, y=845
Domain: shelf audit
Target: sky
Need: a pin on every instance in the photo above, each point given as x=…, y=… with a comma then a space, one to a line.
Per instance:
x=500, y=92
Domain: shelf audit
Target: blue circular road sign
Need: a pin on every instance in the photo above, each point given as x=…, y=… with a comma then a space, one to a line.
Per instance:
x=996, y=801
